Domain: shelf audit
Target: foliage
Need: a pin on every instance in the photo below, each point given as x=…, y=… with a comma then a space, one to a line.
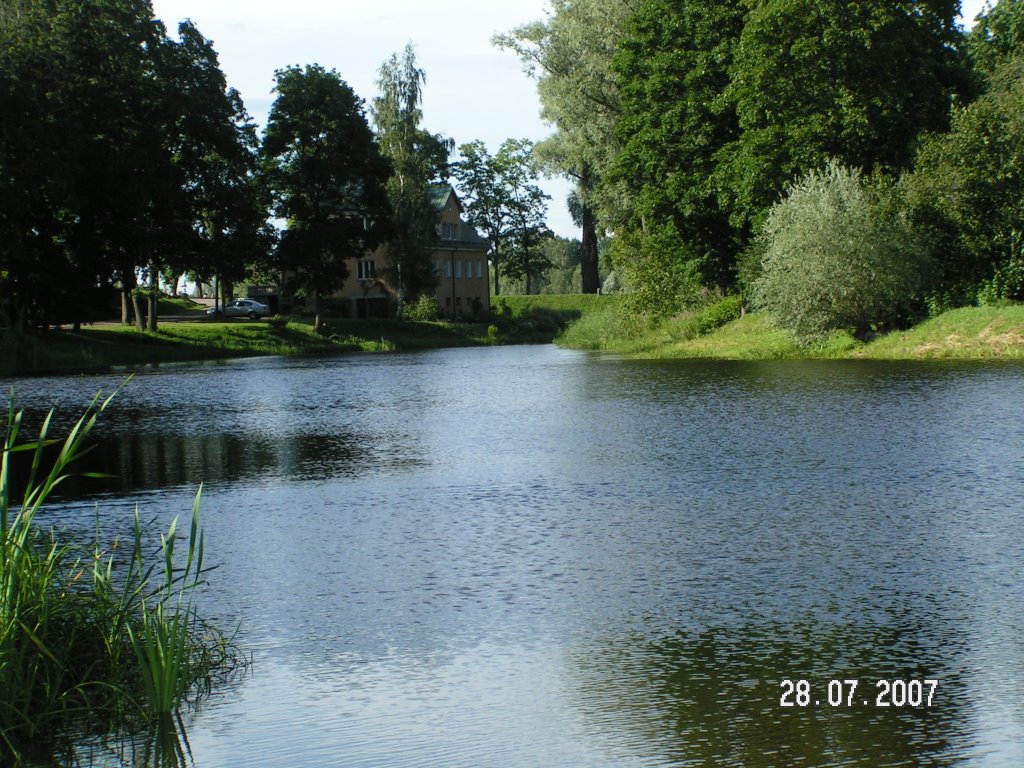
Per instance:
x=722, y=105
x=674, y=70
x=838, y=255
x=121, y=151
x=419, y=159
x=327, y=178
x=855, y=81
x=967, y=191
x=1006, y=284
x=424, y=309
x=503, y=201
x=997, y=36
x=656, y=281
x=714, y=315
x=539, y=318
x=217, y=150
x=570, y=53
x=565, y=273
x=86, y=637
x=608, y=325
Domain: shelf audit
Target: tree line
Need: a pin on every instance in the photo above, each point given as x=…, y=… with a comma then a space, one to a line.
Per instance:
x=685, y=123
x=126, y=158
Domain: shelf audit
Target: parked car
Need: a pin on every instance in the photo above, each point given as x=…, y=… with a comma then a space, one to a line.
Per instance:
x=240, y=308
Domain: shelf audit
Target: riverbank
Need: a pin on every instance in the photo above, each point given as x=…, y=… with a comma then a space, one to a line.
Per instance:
x=103, y=347
x=515, y=320
x=716, y=333
x=576, y=322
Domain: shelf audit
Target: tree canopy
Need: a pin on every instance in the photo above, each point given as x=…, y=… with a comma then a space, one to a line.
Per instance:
x=326, y=177
x=504, y=202
x=119, y=150
x=419, y=159
x=570, y=54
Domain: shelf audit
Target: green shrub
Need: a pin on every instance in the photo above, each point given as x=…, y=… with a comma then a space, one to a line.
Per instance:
x=657, y=278
x=715, y=315
x=838, y=255
x=277, y=321
x=425, y=309
x=1006, y=284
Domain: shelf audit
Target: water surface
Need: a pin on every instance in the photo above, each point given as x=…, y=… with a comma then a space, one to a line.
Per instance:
x=532, y=557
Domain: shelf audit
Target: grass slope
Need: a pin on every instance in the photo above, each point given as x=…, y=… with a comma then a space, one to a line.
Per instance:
x=966, y=333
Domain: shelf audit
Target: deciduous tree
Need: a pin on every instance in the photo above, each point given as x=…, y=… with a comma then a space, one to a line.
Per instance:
x=570, y=54
x=419, y=159
x=504, y=201
x=838, y=255
x=326, y=176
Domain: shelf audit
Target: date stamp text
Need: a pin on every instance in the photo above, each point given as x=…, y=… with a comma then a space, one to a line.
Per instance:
x=853, y=693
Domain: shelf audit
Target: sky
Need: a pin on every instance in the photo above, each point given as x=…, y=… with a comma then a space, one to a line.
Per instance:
x=473, y=90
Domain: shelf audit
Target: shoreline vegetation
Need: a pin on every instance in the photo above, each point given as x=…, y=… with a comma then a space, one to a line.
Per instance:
x=720, y=330
x=98, y=638
x=575, y=321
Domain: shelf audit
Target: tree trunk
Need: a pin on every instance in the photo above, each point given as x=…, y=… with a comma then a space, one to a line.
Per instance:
x=152, y=299
x=126, y=303
x=589, y=272
x=497, y=287
x=529, y=282
x=317, y=319
x=137, y=306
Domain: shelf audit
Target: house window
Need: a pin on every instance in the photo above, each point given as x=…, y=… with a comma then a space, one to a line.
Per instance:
x=458, y=301
x=447, y=302
x=480, y=269
x=437, y=267
x=448, y=268
x=449, y=231
x=458, y=267
x=365, y=270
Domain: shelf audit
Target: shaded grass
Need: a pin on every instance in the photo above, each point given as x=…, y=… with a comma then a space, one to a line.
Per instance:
x=404, y=335
x=103, y=347
x=540, y=318
x=179, y=305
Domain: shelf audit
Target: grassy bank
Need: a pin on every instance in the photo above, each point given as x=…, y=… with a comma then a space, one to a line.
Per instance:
x=579, y=322
x=515, y=320
x=966, y=333
x=103, y=347
x=541, y=318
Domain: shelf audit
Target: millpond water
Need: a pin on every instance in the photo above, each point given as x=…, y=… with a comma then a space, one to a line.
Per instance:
x=526, y=556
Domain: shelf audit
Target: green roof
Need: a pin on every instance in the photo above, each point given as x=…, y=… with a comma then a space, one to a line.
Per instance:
x=468, y=238
x=439, y=194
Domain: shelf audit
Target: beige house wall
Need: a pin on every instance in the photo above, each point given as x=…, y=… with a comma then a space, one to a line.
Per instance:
x=460, y=261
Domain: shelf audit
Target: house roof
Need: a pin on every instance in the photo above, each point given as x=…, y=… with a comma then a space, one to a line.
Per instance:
x=467, y=237
x=439, y=194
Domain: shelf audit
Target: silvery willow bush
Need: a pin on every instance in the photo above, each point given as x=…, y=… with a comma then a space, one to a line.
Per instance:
x=837, y=254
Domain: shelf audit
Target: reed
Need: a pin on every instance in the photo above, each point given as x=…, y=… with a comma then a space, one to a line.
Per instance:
x=91, y=638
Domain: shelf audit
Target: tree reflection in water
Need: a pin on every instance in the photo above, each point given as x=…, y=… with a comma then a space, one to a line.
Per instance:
x=713, y=697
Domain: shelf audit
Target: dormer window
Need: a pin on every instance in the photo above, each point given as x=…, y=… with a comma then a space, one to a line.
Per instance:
x=365, y=270
x=449, y=231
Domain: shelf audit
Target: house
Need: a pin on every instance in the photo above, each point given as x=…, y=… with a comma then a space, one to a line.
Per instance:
x=460, y=262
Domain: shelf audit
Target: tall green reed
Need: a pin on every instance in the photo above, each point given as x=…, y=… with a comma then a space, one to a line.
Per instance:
x=108, y=638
